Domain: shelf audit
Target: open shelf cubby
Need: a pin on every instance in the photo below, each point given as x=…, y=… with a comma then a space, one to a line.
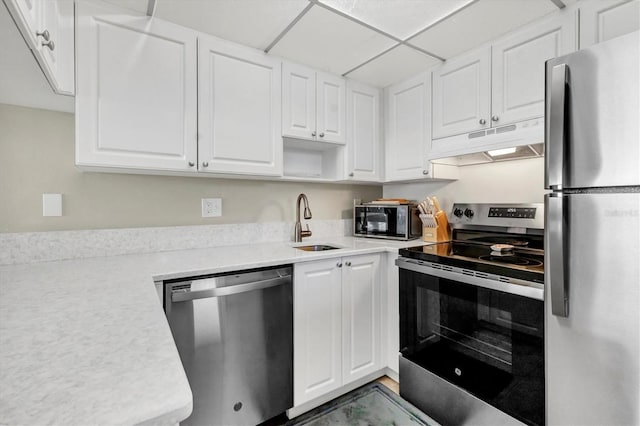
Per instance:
x=313, y=160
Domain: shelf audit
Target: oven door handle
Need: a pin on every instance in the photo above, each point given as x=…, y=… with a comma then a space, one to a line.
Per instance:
x=535, y=291
x=556, y=252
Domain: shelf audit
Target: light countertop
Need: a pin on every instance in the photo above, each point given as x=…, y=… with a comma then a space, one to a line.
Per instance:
x=86, y=341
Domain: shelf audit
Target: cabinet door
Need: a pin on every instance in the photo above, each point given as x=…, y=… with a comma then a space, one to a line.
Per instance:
x=602, y=20
x=330, y=118
x=407, y=128
x=239, y=104
x=317, y=329
x=361, y=337
x=363, y=132
x=298, y=101
x=136, y=91
x=518, y=63
x=47, y=26
x=57, y=53
x=462, y=94
x=27, y=14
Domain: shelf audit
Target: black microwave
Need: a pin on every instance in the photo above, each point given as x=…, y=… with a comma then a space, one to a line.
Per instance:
x=396, y=222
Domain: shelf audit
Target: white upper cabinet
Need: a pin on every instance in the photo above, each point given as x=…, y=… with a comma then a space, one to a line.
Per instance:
x=313, y=104
x=27, y=15
x=518, y=67
x=47, y=26
x=136, y=91
x=501, y=84
x=363, y=132
x=602, y=20
x=298, y=101
x=239, y=105
x=330, y=108
x=407, y=128
x=461, y=94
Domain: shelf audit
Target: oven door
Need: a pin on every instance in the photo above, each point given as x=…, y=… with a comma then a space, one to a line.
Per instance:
x=487, y=342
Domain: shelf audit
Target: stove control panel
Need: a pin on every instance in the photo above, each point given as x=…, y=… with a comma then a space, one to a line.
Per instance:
x=518, y=212
x=499, y=215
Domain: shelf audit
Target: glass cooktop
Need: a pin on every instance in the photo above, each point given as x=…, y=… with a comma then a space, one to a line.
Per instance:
x=519, y=262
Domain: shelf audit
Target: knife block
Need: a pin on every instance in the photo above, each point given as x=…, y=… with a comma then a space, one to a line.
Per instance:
x=439, y=233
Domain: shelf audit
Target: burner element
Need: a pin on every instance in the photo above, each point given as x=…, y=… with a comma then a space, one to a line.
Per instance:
x=512, y=260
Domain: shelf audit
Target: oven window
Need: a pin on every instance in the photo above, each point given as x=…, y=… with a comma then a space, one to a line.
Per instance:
x=487, y=342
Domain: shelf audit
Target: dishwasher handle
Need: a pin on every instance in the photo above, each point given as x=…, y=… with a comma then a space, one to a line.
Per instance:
x=228, y=291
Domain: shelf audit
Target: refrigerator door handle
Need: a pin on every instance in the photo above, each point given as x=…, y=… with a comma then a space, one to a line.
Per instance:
x=554, y=149
x=556, y=253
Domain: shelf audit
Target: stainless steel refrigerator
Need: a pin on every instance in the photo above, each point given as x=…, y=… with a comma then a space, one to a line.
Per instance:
x=592, y=235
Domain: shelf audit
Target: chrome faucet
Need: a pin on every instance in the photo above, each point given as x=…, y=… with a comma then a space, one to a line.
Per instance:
x=298, y=232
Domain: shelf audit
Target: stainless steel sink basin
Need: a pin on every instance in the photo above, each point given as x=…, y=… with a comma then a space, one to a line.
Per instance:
x=317, y=247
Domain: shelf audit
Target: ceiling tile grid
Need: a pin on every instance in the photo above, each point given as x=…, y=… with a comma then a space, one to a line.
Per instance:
x=330, y=42
x=379, y=42
x=397, y=64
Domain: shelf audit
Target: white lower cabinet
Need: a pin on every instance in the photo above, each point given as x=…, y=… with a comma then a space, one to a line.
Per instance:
x=336, y=324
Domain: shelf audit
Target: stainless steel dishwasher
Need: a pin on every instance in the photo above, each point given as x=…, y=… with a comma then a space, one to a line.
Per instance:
x=234, y=333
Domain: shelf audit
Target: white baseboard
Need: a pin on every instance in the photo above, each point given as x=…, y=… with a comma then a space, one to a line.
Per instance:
x=392, y=373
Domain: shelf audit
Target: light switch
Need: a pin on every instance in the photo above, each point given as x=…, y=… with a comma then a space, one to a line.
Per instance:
x=51, y=204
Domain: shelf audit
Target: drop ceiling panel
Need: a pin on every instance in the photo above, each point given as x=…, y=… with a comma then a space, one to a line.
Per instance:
x=396, y=65
x=400, y=18
x=327, y=41
x=253, y=23
x=479, y=23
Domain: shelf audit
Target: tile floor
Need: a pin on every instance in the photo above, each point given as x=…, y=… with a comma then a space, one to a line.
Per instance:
x=385, y=380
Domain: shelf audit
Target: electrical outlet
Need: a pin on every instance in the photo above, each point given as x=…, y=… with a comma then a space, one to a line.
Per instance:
x=211, y=207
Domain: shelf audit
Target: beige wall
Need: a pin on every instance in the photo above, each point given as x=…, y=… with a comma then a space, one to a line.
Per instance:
x=516, y=181
x=37, y=156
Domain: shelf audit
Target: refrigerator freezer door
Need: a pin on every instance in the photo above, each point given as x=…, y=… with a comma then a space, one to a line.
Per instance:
x=601, y=130
x=592, y=357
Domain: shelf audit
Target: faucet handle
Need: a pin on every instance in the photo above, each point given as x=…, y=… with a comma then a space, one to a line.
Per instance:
x=306, y=232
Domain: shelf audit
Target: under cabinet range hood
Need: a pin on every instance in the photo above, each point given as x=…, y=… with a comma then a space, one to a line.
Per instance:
x=510, y=142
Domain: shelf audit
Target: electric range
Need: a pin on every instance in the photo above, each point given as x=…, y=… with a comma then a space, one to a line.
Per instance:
x=472, y=318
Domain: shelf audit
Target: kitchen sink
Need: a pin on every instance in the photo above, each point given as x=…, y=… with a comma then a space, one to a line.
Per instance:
x=317, y=247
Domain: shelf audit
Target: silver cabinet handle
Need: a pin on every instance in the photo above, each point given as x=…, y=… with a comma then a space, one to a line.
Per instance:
x=191, y=164
x=205, y=164
x=313, y=134
x=425, y=172
x=554, y=143
x=351, y=174
x=44, y=34
x=321, y=135
x=495, y=118
x=483, y=121
x=339, y=264
x=228, y=291
x=50, y=44
x=556, y=209
x=348, y=263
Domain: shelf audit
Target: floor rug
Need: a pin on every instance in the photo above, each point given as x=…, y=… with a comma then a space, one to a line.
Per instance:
x=372, y=404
